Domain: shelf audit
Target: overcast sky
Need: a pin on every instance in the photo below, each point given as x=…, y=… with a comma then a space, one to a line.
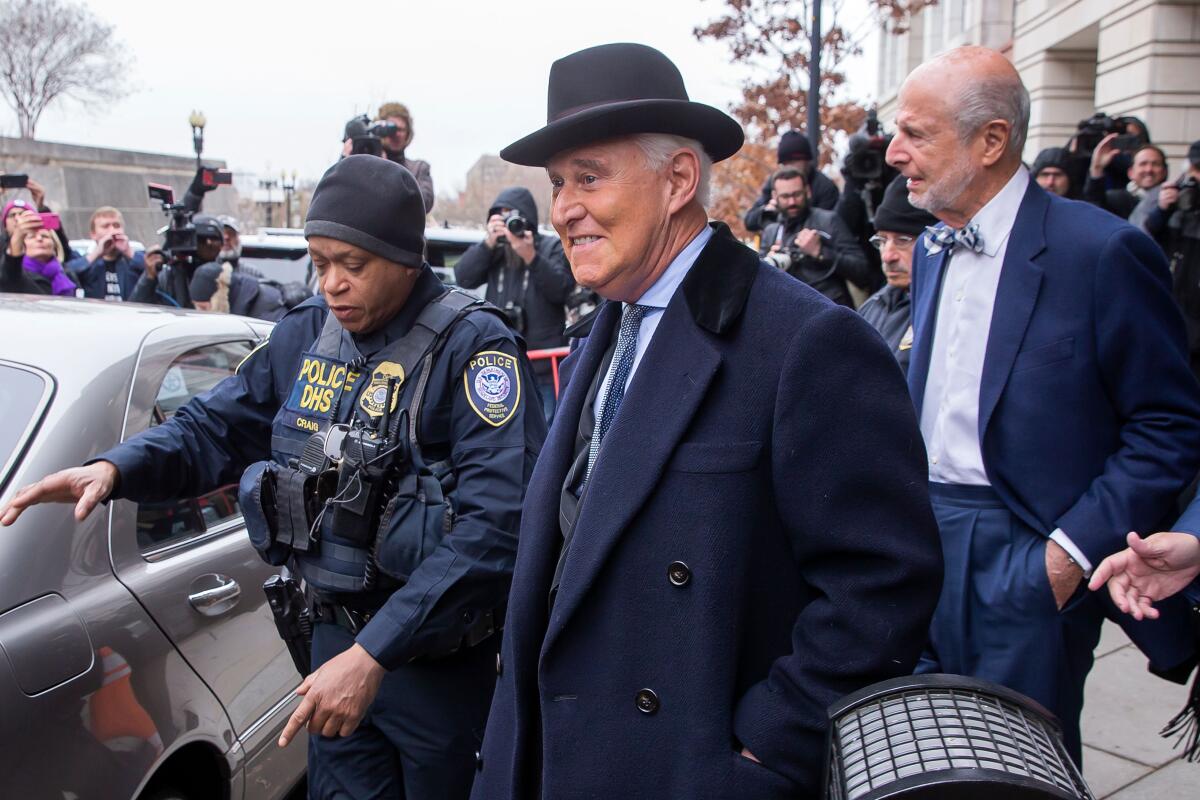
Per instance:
x=277, y=81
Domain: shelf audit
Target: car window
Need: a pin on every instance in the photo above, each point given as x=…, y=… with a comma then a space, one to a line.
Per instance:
x=163, y=524
x=22, y=401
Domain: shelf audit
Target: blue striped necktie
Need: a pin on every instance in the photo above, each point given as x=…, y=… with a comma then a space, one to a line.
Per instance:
x=618, y=374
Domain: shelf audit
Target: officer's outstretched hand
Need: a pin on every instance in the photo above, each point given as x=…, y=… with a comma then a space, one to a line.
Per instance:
x=84, y=486
x=1148, y=570
x=336, y=696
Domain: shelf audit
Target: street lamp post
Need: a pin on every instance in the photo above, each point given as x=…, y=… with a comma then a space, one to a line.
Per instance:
x=197, y=121
x=288, y=189
x=268, y=185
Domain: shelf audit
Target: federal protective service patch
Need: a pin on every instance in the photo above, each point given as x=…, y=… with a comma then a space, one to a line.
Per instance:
x=493, y=386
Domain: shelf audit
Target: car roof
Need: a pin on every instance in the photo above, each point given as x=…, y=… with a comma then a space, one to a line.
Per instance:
x=58, y=334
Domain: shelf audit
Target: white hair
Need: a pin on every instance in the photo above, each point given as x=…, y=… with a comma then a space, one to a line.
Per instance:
x=983, y=100
x=657, y=149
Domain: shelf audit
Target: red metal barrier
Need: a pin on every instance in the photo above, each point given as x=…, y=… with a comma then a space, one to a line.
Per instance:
x=555, y=354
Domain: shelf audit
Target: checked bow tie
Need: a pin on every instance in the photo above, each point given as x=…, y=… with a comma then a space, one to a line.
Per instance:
x=940, y=239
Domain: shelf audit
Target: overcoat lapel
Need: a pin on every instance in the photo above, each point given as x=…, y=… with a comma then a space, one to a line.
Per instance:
x=1016, y=296
x=666, y=392
x=928, y=272
x=663, y=396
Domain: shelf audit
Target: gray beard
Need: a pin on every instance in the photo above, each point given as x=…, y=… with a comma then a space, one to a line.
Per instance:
x=946, y=192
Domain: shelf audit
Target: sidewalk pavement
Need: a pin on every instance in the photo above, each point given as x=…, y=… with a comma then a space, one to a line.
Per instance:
x=1125, y=706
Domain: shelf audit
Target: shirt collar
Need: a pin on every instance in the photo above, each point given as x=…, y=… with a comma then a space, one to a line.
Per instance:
x=660, y=293
x=996, y=219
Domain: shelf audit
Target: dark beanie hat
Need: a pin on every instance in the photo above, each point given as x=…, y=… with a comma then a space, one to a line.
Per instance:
x=1058, y=157
x=204, y=281
x=895, y=213
x=372, y=203
x=1193, y=155
x=794, y=146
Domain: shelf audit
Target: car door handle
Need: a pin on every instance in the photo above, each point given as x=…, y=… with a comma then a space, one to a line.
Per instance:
x=214, y=594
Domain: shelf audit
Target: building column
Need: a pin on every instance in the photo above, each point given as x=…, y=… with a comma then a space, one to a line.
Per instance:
x=1061, y=92
x=1148, y=58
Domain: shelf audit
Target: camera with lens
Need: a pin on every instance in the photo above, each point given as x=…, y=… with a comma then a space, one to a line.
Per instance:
x=516, y=224
x=367, y=137
x=180, y=239
x=865, y=162
x=1092, y=130
x=1189, y=195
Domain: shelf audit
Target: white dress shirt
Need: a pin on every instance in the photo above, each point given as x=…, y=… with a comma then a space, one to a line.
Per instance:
x=950, y=411
x=656, y=298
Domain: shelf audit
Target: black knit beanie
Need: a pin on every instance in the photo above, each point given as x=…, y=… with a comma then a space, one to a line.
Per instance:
x=204, y=282
x=372, y=203
x=1057, y=157
x=794, y=146
x=895, y=213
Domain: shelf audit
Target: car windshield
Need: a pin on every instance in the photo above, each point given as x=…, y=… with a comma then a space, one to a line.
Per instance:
x=282, y=265
x=22, y=401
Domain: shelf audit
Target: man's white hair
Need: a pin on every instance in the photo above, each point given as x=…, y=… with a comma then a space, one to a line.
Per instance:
x=657, y=149
x=981, y=101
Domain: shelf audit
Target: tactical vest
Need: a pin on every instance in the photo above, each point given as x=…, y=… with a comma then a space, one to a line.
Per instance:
x=407, y=503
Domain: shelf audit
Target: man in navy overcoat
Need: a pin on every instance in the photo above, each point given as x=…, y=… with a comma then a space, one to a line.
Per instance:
x=1050, y=376
x=728, y=528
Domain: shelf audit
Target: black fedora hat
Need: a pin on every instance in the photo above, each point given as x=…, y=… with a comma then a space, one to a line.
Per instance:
x=618, y=90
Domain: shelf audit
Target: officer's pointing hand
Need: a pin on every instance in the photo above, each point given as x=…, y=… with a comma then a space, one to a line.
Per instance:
x=84, y=486
x=336, y=696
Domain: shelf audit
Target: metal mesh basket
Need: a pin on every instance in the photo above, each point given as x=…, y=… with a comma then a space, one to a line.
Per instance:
x=947, y=736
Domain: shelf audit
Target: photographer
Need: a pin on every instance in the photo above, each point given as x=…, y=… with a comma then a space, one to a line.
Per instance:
x=527, y=276
x=168, y=284
x=111, y=269
x=866, y=175
x=1146, y=173
x=218, y=287
x=20, y=224
x=813, y=244
x=796, y=152
x=1174, y=223
x=387, y=137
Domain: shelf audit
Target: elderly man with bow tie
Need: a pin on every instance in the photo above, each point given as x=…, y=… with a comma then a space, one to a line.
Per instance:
x=1050, y=377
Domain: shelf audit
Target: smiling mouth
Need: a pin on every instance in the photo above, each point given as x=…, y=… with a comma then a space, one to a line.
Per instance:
x=583, y=241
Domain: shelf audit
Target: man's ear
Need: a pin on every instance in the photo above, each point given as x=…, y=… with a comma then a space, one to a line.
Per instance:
x=996, y=135
x=684, y=178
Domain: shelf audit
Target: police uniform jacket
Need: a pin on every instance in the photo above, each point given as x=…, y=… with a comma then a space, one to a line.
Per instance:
x=745, y=553
x=278, y=397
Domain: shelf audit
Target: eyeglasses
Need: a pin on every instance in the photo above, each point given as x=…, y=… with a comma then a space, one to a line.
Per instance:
x=901, y=242
x=792, y=195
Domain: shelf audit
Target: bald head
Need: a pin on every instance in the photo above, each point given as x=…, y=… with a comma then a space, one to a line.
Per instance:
x=961, y=126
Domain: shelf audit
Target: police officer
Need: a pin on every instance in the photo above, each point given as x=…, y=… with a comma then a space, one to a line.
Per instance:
x=413, y=537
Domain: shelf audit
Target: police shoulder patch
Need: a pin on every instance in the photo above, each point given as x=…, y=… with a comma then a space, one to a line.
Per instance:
x=492, y=383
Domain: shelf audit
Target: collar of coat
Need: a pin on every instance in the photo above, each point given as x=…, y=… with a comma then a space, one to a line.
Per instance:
x=716, y=287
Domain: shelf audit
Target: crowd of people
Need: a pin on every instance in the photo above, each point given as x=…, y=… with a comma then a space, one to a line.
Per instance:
x=743, y=510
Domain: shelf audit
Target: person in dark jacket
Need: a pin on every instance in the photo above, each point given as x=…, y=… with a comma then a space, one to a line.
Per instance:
x=219, y=287
x=394, y=148
x=111, y=269
x=527, y=276
x=14, y=277
x=898, y=227
x=169, y=285
x=1146, y=174
x=794, y=151
x=813, y=244
x=1052, y=171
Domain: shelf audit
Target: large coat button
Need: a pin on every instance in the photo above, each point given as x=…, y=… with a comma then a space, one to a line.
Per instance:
x=647, y=701
x=678, y=573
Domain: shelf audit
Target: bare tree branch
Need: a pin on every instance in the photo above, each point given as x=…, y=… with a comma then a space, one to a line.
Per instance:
x=51, y=49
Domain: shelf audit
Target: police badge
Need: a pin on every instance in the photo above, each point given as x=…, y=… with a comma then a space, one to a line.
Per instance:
x=493, y=386
x=375, y=395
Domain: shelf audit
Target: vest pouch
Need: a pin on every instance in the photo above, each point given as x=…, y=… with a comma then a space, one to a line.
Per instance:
x=257, y=499
x=412, y=525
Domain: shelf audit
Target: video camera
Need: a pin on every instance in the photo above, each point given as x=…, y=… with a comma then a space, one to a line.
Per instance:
x=1093, y=129
x=180, y=234
x=865, y=162
x=366, y=136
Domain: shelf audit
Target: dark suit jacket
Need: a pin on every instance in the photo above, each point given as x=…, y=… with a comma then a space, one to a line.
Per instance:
x=811, y=553
x=1089, y=417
